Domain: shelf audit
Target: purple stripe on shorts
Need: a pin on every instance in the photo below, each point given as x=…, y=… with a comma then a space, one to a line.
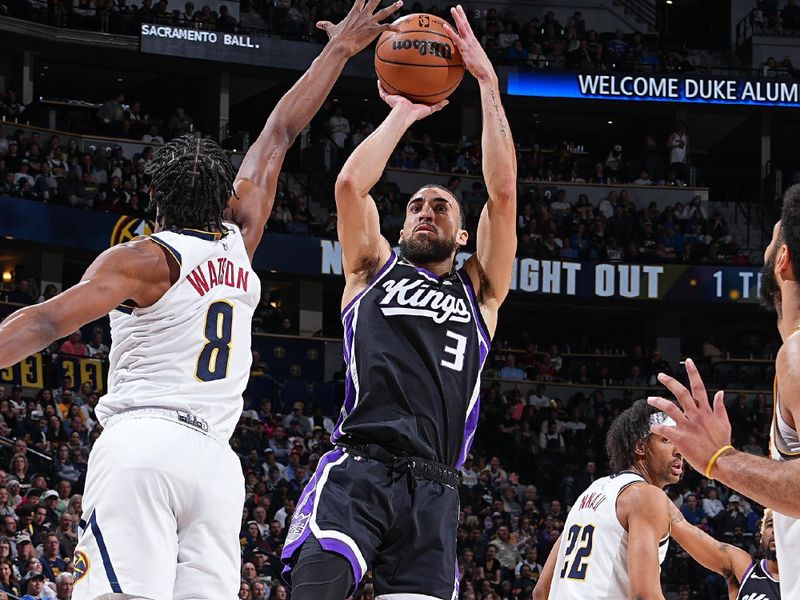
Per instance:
x=343, y=549
x=299, y=527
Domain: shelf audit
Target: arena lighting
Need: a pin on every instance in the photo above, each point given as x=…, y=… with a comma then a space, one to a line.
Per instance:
x=6, y=276
x=669, y=1
x=611, y=122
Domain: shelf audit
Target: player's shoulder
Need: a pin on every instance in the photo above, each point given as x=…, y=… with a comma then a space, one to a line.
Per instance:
x=640, y=495
x=140, y=255
x=788, y=356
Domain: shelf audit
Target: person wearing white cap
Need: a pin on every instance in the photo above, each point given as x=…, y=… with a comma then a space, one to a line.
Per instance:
x=617, y=532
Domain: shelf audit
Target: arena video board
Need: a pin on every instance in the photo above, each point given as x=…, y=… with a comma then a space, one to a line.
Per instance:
x=697, y=89
x=207, y=45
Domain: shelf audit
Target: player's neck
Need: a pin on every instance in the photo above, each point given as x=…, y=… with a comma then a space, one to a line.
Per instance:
x=440, y=269
x=641, y=469
x=772, y=569
x=789, y=321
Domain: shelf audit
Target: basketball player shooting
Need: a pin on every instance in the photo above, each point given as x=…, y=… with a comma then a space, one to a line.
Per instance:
x=416, y=334
x=164, y=490
x=617, y=532
x=745, y=578
x=703, y=432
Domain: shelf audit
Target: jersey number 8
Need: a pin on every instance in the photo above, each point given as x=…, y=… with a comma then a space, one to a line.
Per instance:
x=579, y=566
x=212, y=364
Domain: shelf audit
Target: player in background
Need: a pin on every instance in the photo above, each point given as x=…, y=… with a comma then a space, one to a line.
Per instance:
x=617, y=532
x=746, y=579
x=703, y=432
x=417, y=331
x=164, y=491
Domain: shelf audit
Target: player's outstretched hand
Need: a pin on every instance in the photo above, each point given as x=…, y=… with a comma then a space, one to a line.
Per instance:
x=475, y=59
x=419, y=111
x=361, y=25
x=700, y=430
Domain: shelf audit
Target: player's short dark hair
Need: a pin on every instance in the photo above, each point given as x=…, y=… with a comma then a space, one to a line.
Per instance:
x=192, y=181
x=789, y=232
x=627, y=430
x=463, y=220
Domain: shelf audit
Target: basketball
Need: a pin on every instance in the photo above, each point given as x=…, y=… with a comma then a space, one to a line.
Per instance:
x=419, y=61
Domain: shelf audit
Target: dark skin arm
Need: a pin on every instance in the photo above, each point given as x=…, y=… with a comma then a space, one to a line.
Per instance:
x=139, y=271
x=722, y=558
x=542, y=589
x=257, y=179
x=642, y=510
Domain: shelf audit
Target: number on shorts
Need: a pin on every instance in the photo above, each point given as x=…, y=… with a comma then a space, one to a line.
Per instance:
x=578, y=564
x=457, y=351
x=212, y=364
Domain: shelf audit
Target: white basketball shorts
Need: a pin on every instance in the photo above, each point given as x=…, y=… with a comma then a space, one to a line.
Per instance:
x=161, y=511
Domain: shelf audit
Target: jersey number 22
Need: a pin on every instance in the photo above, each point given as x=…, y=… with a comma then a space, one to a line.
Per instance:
x=579, y=541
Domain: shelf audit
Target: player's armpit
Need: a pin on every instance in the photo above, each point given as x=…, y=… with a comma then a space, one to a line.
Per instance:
x=542, y=589
x=250, y=208
x=136, y=271
x=643, y=510
x=724, y=559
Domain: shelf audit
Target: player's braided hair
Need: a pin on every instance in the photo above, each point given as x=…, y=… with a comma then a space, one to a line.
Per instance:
x=192, y=180
x=627, y=430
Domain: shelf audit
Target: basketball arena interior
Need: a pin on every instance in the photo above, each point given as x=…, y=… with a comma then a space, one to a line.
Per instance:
x=633, y=253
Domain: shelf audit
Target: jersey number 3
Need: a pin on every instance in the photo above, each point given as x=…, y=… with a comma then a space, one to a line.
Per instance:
x=575, y=567
x=212, y=364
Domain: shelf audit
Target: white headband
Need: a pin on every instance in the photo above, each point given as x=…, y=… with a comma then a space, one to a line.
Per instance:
x=661, y=418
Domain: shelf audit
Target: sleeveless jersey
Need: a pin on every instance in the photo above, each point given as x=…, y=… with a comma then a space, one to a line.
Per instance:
x=758, y=584
x=415, y=344
x=190, y=350
x=593, y=553
x=784, y=444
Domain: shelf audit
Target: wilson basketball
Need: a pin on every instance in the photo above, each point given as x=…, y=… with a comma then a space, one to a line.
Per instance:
x=419, y=61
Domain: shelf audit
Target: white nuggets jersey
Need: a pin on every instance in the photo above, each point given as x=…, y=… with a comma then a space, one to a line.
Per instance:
x=593, y=553
x=190, y=351
x=785, y=445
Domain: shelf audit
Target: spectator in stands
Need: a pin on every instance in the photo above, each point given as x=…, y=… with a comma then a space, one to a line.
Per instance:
x=21, y=293
x=8, y=578
x=511, y=370
x=678, y=148
x=612, y=167
x=52, y=562
x=712, y=506
x=64, y=583
x=112, y=113
x=97, y=348
x=34, y=585
x=693, y=512
x=152, y=136
x=73, y=345
x=179, y=122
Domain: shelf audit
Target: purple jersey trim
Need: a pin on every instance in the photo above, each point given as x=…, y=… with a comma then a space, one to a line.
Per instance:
x=386, y=266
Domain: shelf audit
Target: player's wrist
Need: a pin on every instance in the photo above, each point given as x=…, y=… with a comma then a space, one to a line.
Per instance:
x=713, y=463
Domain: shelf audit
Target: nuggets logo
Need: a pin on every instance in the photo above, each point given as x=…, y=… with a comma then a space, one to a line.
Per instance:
x=128, y=228
x=81, y=565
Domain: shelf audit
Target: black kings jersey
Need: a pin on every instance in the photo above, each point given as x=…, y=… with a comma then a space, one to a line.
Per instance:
x=414, y=344
x=758, y=584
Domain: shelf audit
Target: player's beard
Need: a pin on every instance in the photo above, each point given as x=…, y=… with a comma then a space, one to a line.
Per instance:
x=770, y=554
x=770, y=290
x=426, y=251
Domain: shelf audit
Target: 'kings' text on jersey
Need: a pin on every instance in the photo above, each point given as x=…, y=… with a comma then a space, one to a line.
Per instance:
x=415, y=344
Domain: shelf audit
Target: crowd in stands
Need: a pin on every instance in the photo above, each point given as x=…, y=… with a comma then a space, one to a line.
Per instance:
x=551, y=224
x=775, y=16
x=540, y=43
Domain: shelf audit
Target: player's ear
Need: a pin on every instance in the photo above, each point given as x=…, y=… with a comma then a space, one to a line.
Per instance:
x=640, y=449
x=462, y=237
x=783, y=262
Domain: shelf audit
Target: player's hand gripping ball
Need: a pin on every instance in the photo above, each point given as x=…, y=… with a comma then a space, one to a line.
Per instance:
x=418, y=60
